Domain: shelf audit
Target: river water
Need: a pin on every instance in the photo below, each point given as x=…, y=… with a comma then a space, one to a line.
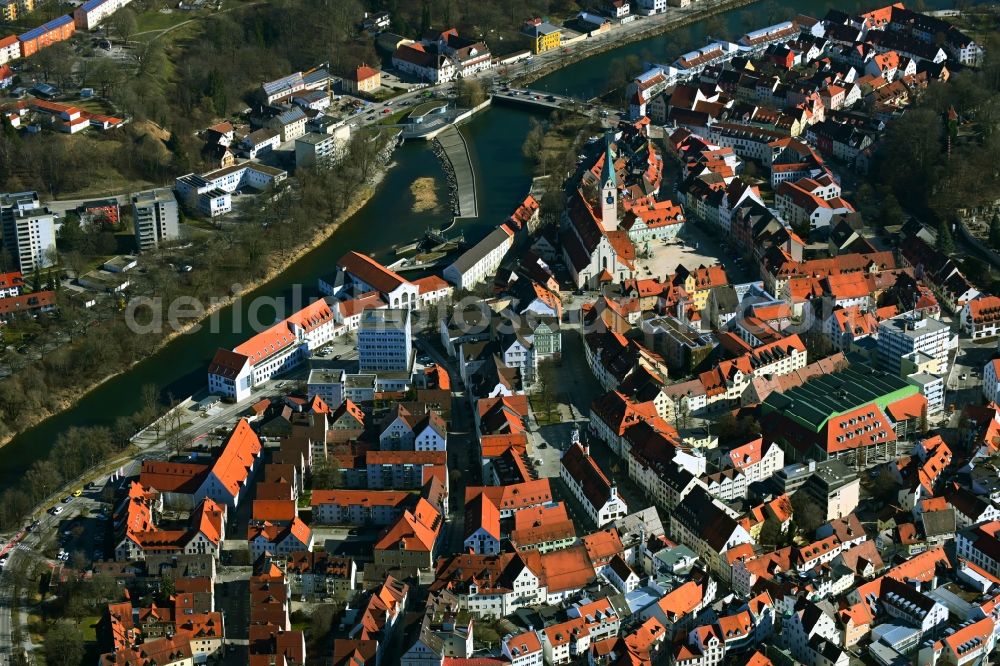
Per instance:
x=494, y=136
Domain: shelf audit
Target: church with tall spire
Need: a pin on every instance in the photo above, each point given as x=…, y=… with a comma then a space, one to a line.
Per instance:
x=609, y=186
x=595, y=250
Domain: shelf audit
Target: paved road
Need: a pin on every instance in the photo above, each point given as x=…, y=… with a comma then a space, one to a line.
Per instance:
x=463, y=467
x=25, y=555
x=62, y=205
x=197, y=429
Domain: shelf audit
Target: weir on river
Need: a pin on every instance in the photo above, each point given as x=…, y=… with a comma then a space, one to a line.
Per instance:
x=456, y=151
x=494, y=140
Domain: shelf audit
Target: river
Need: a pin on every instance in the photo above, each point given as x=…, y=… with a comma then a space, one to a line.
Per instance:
x=494, y=136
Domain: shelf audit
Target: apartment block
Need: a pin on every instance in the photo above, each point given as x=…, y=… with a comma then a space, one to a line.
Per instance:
x=154, y=218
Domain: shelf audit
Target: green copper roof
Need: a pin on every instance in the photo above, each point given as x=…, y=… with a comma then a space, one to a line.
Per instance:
x=608, y=172
x=821, y=398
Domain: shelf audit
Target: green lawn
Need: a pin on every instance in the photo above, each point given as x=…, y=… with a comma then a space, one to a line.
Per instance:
x=539, y=413
x=392, y=118
x=425, y=107
x=89, y=627
x=161, y=21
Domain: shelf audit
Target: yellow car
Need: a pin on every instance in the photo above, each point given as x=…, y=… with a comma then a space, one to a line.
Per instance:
x=77, y=493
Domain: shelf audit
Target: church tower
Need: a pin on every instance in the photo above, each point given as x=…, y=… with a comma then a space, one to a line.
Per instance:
x=609, y=187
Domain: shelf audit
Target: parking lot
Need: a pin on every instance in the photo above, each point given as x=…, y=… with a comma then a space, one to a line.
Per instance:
x=964, y=383
x=82, y=531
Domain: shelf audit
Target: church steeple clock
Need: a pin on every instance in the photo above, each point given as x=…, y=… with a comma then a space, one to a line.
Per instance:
x=609, y=187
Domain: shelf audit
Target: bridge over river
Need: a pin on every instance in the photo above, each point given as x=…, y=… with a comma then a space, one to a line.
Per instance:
x=545, y=100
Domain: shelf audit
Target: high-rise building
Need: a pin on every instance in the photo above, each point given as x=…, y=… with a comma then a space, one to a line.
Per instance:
x=385, y=340
x=912, y=332
x=28, y=230
x=154, y=215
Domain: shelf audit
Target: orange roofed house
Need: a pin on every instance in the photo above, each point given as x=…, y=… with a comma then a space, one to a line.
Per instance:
x=409, y=544
x=232, y=373
x=364, y=79
x=137, y=534
x=225, y=480
x=491, y=585
x=230, y=475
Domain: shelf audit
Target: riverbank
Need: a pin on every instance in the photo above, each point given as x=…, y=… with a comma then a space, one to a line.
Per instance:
x=275, y=268
x=657, y=28
x=183, y=376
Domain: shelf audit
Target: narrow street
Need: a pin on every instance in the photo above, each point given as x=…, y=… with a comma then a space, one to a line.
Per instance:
x=462, y=467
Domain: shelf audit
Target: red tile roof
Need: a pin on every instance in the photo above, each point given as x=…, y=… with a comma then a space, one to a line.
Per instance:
x=238, y=454
x=514, y=496
x=970, y=638
x=13, y=279
x=275, y=511
x=355, y=306
x=430, y=283
x=27, y=302
x=566, y=569
x=908, y=408
x=481, y=512
x=227, y=363
x=359, y=497
x=681, y=600
x=879, y=430
x=363, y=73
x=602, y=546
x=171, y=477
x=592, y=480
x=494, y=446
x=406, y=458
x=415, y=530
x=371, y=272
x=209, y=519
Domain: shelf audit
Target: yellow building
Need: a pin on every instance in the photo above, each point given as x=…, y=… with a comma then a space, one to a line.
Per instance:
x=10, y=10
x=544, y=36
x=700, y=282
x=363, y=79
